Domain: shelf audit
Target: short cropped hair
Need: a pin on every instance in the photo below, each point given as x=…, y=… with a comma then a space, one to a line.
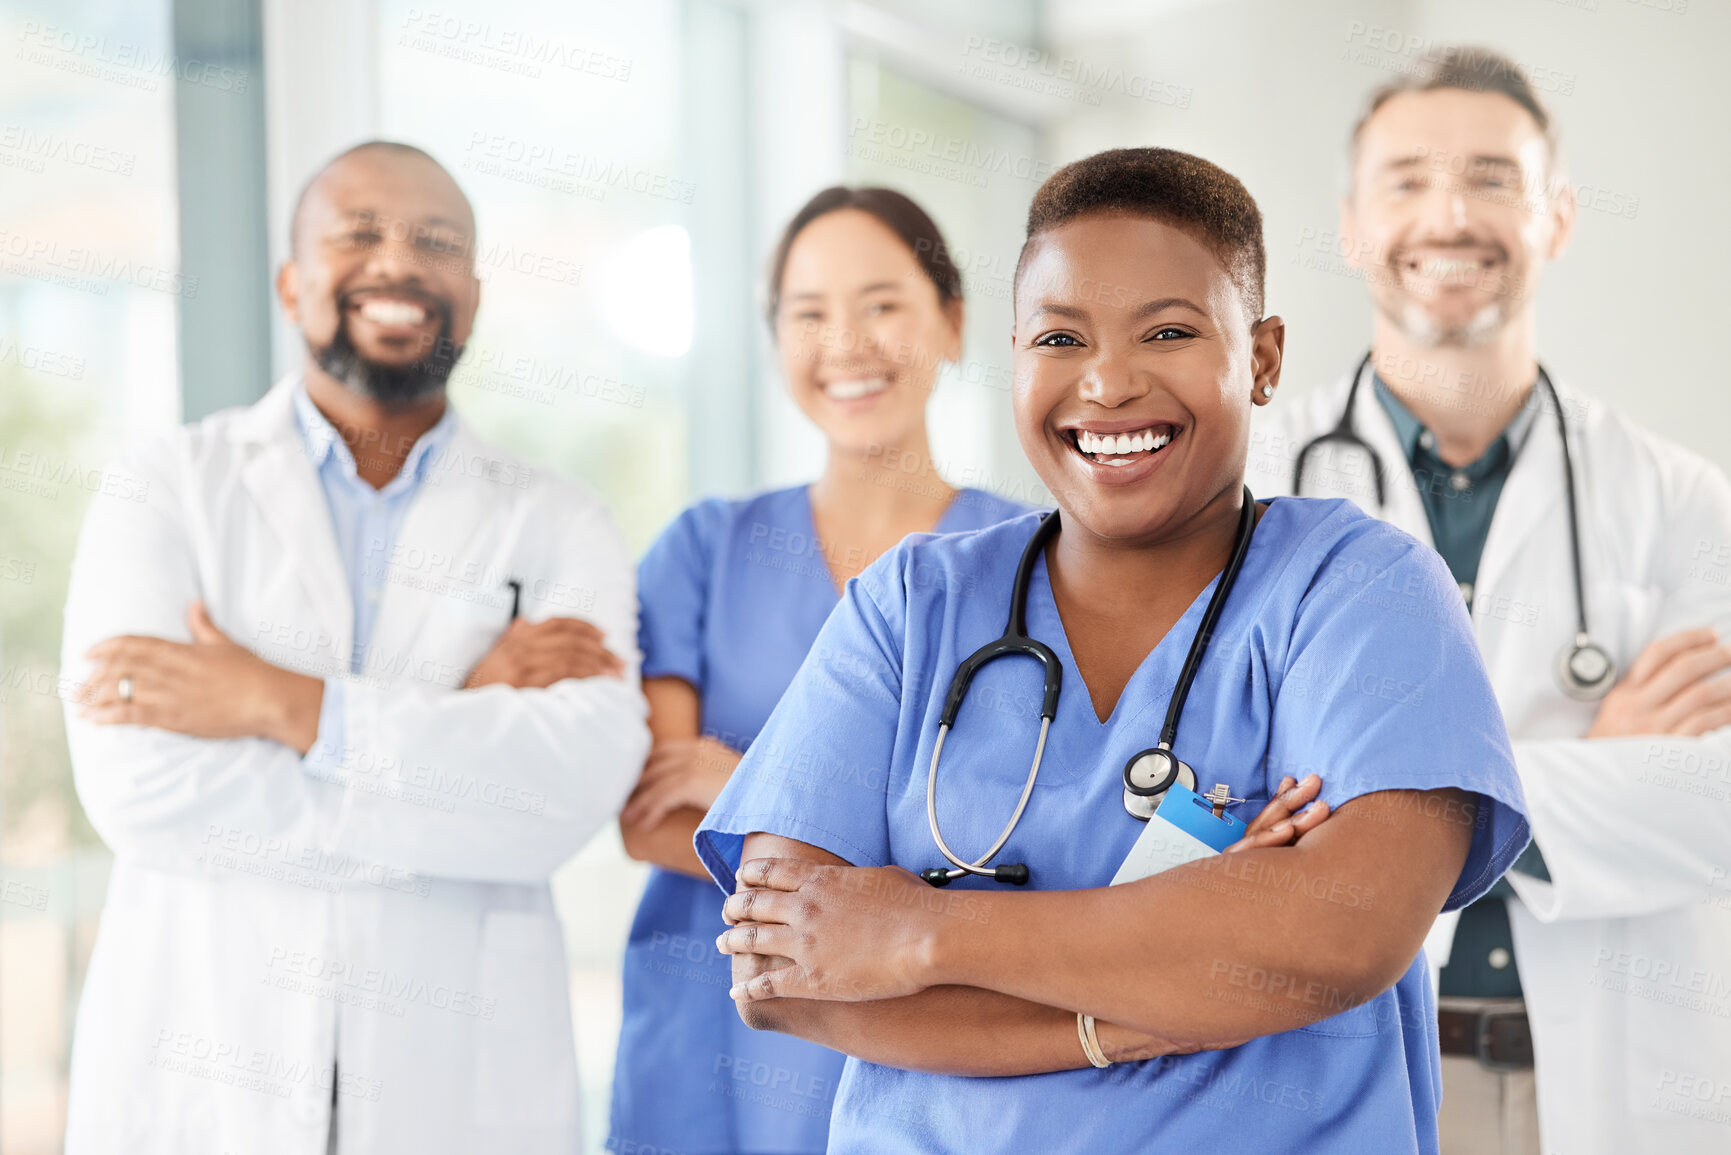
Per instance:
x=899, y=213
x=395, y=147
x=1168, y=186
x=1465, y=68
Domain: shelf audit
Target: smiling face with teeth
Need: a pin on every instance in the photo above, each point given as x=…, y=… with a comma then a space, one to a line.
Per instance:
x=861, y=332
x=1136, y=370
x=1454, y=213
x=381, y=280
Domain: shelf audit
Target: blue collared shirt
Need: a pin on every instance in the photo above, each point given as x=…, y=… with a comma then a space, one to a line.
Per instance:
x=1459, y=512
x=366, y=522
x=1459, y=509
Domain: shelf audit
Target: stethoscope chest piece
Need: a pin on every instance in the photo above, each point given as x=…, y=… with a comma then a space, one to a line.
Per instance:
x=1147, y=778
x=1585, y=670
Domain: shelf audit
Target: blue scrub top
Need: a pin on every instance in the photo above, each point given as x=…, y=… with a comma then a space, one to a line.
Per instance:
x=733, y=594
x=1344, y=649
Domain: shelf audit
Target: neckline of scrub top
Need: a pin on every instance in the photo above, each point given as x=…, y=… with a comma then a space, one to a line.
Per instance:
x=1040, y=591
x=823, y=555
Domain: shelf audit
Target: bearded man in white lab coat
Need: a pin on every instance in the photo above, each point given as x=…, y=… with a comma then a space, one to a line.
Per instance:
x=1598, y=979
x=355, y=683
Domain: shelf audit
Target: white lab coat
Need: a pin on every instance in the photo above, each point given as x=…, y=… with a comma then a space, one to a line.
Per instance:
x=1625, y=956
x=261, y=921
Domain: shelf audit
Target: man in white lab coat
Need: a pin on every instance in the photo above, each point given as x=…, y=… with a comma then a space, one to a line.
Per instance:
x=1598, y=979
x=354, y=684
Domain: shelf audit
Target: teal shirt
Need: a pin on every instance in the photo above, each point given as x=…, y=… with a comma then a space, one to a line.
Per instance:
x=1459, y=503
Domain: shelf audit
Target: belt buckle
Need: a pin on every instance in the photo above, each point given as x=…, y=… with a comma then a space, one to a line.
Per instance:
x=1482, y=1040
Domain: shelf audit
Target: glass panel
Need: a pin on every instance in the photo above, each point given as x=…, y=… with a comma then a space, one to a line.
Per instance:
x=975, y=172
x=561, y=122
x=89, y=283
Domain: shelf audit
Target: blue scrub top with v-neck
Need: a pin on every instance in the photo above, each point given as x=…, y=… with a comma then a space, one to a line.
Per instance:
x=1343, y=649
x=733, y=594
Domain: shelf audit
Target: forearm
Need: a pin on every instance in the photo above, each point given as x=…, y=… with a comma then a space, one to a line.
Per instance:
x=668, y=843
x=1246, y=944
x=292, y=716
x=1628, y=826
x=1090, y=951
x=495, y=784
x=171, y=801
x=946, y=1030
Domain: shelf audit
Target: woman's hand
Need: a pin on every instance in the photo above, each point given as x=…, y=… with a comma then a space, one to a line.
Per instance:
x=853, y=934
x=1276, y=826
x=847, y=933
x=681, y=772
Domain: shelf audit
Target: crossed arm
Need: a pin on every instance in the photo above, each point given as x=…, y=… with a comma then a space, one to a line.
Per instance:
x=213, y=687
x=1206, y=956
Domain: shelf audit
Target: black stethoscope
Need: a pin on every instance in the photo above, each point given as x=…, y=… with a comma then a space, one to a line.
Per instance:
x=1147, y=775
x=1585, y=670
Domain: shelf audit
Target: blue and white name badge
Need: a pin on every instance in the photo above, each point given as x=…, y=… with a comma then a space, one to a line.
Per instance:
x=1182, y=830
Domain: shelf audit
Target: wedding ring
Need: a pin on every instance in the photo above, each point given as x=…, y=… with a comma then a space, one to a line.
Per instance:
x=124, y=688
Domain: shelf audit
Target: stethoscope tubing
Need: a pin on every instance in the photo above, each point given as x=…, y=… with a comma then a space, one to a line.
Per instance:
x=1346, y=432
x=1015, y=640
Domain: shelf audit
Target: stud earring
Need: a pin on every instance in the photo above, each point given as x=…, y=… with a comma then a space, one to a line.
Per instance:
x=1268, y=391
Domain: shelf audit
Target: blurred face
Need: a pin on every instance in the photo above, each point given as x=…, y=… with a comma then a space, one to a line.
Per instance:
x=381, y=283
x=1453, y=214
x=1136, y=368
x=861, y=332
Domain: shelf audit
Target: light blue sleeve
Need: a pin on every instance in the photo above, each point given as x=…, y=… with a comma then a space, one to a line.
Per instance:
x=324, y=759
x=673, y=593
x=819, y=770
x=1383, y=688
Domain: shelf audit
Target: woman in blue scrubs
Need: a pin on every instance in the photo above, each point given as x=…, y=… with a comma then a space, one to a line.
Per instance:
x=1269, y=1000
x=864, y=304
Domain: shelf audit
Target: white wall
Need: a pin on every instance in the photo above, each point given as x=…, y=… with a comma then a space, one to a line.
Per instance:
x=1638, y=88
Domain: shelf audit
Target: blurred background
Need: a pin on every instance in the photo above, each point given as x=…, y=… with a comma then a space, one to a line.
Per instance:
x=630, y=165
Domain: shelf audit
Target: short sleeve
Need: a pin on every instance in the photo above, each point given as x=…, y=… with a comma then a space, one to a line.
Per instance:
x=673, y=593
x=1383, y=688
x=819, y=770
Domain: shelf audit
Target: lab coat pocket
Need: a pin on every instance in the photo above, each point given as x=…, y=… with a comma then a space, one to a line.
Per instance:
x=525, y=1061
x=465, y=629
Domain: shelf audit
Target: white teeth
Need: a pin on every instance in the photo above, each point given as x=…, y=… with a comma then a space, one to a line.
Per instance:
x=389, y=312
x=853, y=390
x=1440, y=267
x=1144, y=440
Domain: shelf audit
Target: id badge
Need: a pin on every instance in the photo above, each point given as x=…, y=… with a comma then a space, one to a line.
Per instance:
x=1182, y=830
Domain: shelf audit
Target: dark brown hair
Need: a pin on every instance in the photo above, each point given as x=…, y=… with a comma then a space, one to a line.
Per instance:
x=896, y=212
x=1168, y=186
x=1469, y=69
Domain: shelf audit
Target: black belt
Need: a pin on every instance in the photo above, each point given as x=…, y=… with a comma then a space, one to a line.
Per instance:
x=1500, y=1040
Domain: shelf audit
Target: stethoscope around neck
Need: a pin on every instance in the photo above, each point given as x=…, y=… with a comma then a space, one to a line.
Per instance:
x=1148, y=775
x=1584, y=669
